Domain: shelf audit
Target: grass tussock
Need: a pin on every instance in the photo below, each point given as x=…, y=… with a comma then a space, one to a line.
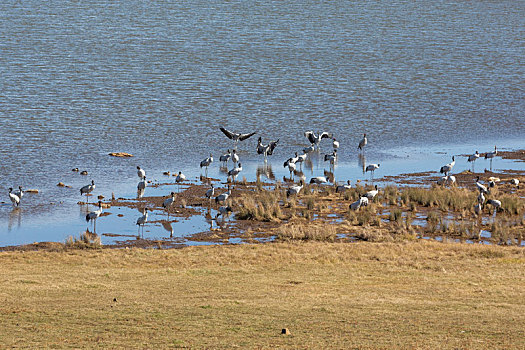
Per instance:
x=444, y=198
x=295, y=232
x=262, y=206
x=87, y=240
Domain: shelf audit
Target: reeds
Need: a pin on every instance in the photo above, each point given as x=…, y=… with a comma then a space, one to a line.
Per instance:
x=312, y=232
x=263, y=206
x=87, y=240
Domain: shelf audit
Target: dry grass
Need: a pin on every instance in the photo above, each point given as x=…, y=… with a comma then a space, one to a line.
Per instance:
x=87, y=240
x=302, y=232
x=423, y=295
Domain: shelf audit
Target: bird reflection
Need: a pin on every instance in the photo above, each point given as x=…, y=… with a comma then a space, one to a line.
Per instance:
x=223, y=170
x=300, y=175
x=329, y=176
x=15, y=216
x=266, y=170
x=167, y=226
x=361, y=160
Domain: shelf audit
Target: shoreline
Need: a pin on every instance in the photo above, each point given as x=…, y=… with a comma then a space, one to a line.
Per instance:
x=388, y=218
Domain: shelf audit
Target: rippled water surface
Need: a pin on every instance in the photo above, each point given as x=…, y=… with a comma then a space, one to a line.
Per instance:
x=79, y=79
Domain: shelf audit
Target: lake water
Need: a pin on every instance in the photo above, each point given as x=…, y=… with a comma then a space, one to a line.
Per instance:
x=80, y=79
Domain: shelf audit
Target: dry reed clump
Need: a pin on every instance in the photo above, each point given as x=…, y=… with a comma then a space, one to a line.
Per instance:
x=433, y=220
x=263, y=206
x=443, y=198
x=512, y=204
x=312, y=232
x=396, y=215
x=87, y=240
x=374, y=235
x=390, y=194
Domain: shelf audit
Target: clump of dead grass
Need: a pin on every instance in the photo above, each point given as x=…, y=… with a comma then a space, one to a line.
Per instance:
x=262, y=206
x=87, y=240
x=312, y=232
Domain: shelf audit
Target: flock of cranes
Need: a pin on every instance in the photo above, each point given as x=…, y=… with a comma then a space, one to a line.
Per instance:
x=291, y=163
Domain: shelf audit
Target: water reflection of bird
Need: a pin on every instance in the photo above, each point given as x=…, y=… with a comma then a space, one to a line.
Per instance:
x=14, y=215
x=329, y=175
x=265, y=170
x=167, y=226
x=361, y=161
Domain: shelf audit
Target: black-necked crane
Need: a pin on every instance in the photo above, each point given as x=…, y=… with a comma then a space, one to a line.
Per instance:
x=14, y=198
x=300, y=159
x=445, y=169
x=235, y=157
x=335, y=143
x=361, y=202
x=140, y=172
x=141, y=221
x=266, y=150
x=516, y=183
x=223, y=196
x=211, y=192
x=236, y=137
x=168, y=203
x=491, y=155
x=87, y=190
x=496, y=204
x=94, y=215
x=343, y=188
x=19, y=192
x=362, y=143
x=472, y=158
x=206, y=163
x=223, y=211
x=372, y=193
x=235, y=172
x=295, y=189
x=180, y=178
x=224, y=158
x=331, y=158
x=372, y=168
x=314, y=139
x=480, y=186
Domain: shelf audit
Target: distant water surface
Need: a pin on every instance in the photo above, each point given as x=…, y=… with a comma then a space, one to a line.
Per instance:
x=80, y=79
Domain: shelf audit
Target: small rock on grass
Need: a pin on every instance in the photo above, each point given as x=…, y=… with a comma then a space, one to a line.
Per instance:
x=285, y=331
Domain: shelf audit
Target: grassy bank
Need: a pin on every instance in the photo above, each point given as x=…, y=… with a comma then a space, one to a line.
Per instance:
x=363, y=295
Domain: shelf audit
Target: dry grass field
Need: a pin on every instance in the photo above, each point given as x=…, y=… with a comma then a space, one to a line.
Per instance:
x=422, y=294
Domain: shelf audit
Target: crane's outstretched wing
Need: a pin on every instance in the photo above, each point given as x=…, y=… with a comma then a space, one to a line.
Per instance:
x=326, y=135
x=227, y=133
x=310, y=136
x=272, y=146
x=245, y=136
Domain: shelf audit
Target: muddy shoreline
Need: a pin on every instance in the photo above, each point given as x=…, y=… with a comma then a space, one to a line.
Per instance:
x=263, y=213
